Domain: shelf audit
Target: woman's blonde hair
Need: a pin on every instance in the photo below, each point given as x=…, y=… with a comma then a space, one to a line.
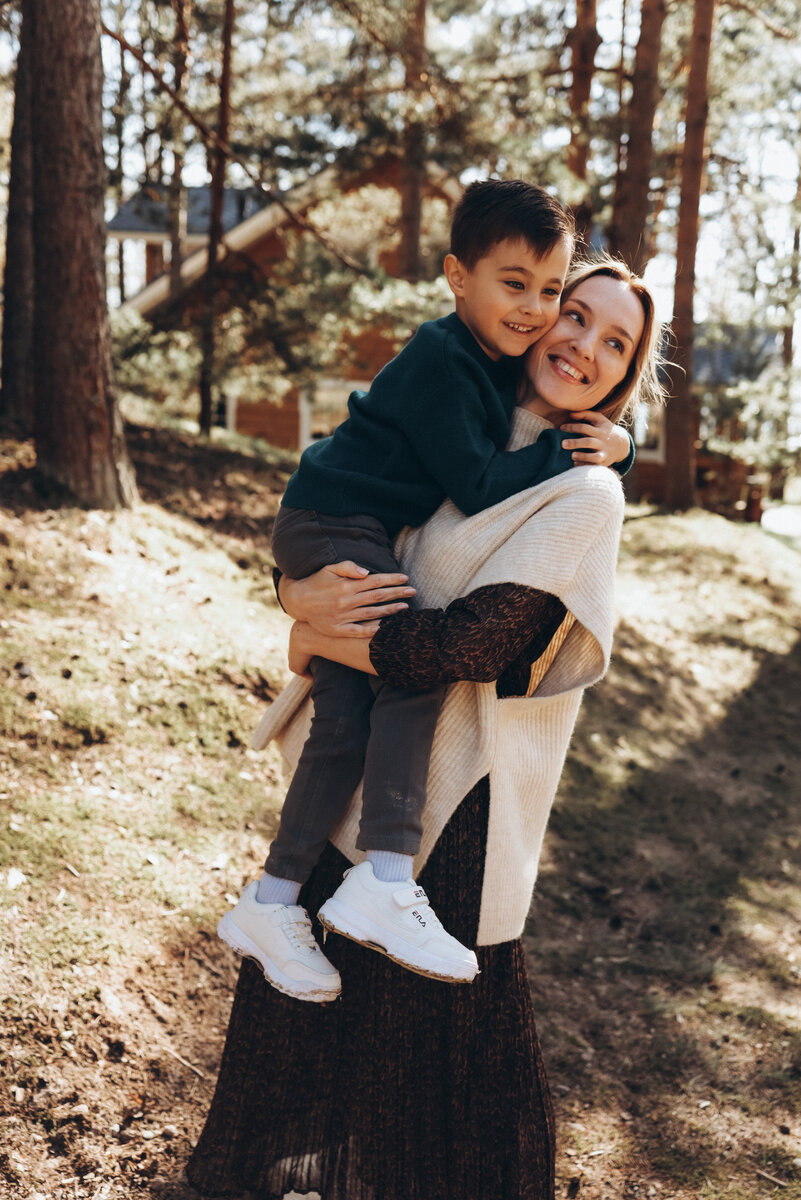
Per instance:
x=642, y=380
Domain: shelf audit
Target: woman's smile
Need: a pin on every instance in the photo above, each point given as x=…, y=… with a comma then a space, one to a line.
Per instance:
x=564, y=368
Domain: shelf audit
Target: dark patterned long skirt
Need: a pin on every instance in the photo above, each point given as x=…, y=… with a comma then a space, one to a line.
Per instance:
x=404, y=1089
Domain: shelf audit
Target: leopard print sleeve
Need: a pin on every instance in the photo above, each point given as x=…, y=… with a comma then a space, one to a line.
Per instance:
x=495, y=632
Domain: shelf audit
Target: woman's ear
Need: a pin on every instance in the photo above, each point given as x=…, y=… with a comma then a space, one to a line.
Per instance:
x=455, y=273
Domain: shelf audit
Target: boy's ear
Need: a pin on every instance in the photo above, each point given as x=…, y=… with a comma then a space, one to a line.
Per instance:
x=455, y=273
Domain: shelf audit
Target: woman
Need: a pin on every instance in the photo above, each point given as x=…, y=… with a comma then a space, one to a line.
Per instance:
x=409, y=1089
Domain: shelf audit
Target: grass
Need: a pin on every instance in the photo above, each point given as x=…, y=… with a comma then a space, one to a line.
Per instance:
x=139, y=649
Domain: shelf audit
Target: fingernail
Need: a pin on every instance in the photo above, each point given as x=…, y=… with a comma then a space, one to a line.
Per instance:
x=408, y=591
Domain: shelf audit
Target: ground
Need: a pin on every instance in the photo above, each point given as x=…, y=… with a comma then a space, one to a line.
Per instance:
x=138, y=651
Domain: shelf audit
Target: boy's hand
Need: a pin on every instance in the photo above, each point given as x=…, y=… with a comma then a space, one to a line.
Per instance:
x=599, y=441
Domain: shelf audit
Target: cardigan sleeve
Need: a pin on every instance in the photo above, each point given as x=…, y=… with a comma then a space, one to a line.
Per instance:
x=495, y=632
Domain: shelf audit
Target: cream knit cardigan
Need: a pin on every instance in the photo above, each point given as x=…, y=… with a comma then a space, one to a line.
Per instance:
x=562, y=537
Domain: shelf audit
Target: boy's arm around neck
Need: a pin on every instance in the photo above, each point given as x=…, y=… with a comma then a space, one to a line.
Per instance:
x=453, y=414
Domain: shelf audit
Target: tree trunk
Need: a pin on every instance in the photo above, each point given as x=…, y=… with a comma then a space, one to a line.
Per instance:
x=681, y=423
x=413, y=145
x=177, y=193
x=17, y=397
x=583, y=42
x=631, y=204
x=792, y=283
x=215, y=224
x=118, y=174
x=78, y=430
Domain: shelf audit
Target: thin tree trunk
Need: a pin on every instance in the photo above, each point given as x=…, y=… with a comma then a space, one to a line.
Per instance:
x=792, y=283
x=680, y=423
x=177, y=195
x=17, y=397
x=118, y=172
x=413, y=145
x=218, y=160
x=631, y=203
x=583, y=41
x=78, y=430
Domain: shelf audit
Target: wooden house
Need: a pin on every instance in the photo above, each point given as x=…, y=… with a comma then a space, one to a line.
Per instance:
x=254, y=239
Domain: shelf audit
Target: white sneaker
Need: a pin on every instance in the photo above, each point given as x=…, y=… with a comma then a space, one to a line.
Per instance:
x=397, y=920
x=280, y=938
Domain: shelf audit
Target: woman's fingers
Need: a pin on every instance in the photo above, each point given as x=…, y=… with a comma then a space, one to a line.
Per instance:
x=385, y=595
x=365, y=629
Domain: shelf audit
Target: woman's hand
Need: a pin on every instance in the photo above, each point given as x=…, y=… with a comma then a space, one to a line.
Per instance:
x=599, y=441
x=305, y=642
x=300, y=653
x=343, y=600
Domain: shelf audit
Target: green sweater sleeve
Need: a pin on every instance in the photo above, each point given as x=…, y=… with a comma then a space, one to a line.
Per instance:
x=627, y=463
x=482, y=476
x=448, y=430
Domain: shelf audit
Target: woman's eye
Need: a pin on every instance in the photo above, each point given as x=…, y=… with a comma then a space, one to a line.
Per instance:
x=616, y=345
x=574, y=315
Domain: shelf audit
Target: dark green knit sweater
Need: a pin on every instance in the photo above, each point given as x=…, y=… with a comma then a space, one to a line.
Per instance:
x=434, y=424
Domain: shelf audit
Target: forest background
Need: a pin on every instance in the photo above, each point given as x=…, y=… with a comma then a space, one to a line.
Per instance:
x=140, y=639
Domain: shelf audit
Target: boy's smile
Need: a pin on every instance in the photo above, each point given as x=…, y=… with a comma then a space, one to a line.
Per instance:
x=511, y=296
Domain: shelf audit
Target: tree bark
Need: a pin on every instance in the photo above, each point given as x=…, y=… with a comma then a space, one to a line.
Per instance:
x=77, y=429
x=583, y=41
x=218, y=161
x=413, y=144
x=17, y=397
x=681, y=423
x=631, y=203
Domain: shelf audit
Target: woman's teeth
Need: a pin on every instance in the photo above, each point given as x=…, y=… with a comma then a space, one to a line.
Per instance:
x=569, y=370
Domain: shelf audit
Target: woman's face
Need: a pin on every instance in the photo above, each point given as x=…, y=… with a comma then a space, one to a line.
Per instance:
x=575, y=366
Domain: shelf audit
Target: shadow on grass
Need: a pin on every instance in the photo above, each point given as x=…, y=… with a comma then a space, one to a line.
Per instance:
x=224, y=490
x=644, y=943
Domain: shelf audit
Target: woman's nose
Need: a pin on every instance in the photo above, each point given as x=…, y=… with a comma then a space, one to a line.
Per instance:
x=582, y=344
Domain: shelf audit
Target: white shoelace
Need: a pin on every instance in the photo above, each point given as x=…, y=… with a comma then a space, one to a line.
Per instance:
x=301, y=936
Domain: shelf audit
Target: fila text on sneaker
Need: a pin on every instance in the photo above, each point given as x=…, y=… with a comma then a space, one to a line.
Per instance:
x=397, y=920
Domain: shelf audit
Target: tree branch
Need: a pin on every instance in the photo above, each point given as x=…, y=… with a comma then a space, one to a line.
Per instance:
x=211, y=139
x=780, y=31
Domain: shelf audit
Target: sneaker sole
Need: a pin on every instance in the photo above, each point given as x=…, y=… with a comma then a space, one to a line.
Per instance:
x=229, y=932
x=359, y=928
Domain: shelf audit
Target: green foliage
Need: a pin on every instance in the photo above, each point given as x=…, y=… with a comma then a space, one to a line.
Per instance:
x=160, y=367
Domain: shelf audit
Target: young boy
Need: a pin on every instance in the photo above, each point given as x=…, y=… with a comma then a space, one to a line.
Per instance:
x=434, y=424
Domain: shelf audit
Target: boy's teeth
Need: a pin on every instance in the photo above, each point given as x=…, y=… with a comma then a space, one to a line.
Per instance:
x=520, y=328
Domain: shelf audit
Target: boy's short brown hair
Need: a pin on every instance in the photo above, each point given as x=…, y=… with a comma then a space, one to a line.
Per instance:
x=499, y=210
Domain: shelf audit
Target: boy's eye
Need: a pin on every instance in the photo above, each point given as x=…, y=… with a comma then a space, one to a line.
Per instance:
x=552, y=291
x=515, y=283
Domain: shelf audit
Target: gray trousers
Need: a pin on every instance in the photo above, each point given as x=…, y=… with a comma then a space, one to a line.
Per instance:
x=362, y=727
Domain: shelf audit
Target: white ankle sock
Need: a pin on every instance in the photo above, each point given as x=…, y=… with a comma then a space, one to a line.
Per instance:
x=390, y=867
x=273, y=890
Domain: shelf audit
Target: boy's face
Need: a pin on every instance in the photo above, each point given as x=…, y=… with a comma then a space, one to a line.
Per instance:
x=510, y=298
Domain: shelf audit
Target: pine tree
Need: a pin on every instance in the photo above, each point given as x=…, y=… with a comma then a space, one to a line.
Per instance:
x=77, y=427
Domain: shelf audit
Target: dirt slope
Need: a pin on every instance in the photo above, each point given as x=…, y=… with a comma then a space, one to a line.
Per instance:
x=137, y=652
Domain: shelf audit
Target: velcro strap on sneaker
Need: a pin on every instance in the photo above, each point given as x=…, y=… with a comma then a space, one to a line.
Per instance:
x=406, y=897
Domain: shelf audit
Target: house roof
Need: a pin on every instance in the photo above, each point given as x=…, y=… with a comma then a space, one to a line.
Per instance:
x=144, y=215
x=262, y=221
